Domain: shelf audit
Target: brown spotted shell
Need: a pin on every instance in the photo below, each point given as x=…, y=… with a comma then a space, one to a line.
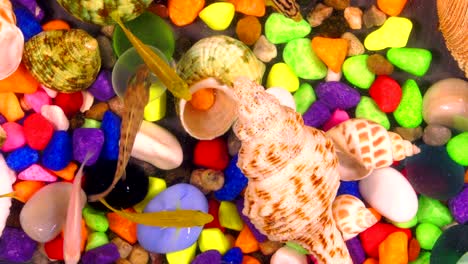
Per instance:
x=292, y=172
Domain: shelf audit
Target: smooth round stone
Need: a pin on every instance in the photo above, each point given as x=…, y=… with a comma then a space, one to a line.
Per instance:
x=281, y=75
x=388, y=192
x=151, y=30
x=451, y=245
x=393, y=33
x=434, y=174
x=218, y=16
x=412, y=60
x=457, y=148
x=300, y=56
x=281, y=29
x=357, y=73
x=463, y=259
x=163, y=240
x=436, y=135
x=427, y=235
x=409, y=111
x=43, y=216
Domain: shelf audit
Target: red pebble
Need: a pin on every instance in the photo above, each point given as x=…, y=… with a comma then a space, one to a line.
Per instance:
x=386, y=92
x=211, y=154
x=213, y=209
x=54, y=248
x=69, y=102
x=37, y=131
x=374, y=235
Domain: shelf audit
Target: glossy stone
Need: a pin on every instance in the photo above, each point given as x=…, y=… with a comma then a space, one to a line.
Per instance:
x=451, y=245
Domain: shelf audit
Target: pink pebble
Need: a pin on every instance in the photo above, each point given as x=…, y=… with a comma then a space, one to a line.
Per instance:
x=88, y=100
x=15, y=136
x=288, y=255
x=50, y=92
x=337, y=117
x=36, y=173
x=56, y=116
x=37, y=100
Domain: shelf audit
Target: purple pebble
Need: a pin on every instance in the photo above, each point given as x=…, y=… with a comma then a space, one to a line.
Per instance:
x=87, y=140
x=317, y=114
x=105, y=254
x=16, y=246
x=258, y=236
x=337, y=95
x=2, y=119
x=208, y=257
x=33, y=7
x=355, y=250
x=102, y=89
x=459, y=206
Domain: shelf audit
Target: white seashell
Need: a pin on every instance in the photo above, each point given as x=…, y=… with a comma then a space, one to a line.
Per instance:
x=11, y=41
x=284, y=96
x=7, y=178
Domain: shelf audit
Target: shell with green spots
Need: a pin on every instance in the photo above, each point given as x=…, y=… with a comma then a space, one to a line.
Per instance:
x=66, y=61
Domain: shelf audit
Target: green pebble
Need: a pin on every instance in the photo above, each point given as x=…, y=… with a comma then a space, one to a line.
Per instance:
x=427, y=235
x=412, y=60
x=300, y=56
x=281, y=29
x=409, y=111
x=424, y=258
x=304, y=97
x=457, y=148
x=297, y=247
x=96, y=220
x=408, y=224
x=96, y=239
x=91, y=123
x=356, y=72
x=433, y=211
x=368, y=109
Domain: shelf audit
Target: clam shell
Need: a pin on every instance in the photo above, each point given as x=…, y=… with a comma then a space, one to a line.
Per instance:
x=215, y=62
x=11, y=41
x=453, y=21
x=66, y=61
x=98, y=11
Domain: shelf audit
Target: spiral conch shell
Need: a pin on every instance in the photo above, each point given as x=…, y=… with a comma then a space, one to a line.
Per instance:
x=363, y=145
x=292, y=172
x=214, y=62
x=453, y=21
x=98, y=11
x=63, y=60
x=11, y=40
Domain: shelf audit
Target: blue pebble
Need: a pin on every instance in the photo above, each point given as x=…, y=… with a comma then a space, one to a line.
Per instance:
x=58, y=153
x=234, y=182
x=317, y=114
x=22, y=158
x=233, y=256
x=26, y=21
x=111, y=127
x=349, y=187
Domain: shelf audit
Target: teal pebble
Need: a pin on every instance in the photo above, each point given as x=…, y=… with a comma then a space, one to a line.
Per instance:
x=457, y=148
x=409, y=112
x=96, y=239
x=427, y=235
x=424, y=258
x=412, y=60
x=368, y=109
x=433, y=211
x=96, y=220
x=300, y=56
x=304, y=97
x=356, y=72
x=281, y=29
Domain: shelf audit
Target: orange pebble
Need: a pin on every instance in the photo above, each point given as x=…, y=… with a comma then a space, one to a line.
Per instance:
x=246, y=241
x=250, y=7
x=249, y=260
x=331, y=51
x=67, y=173
x=413, y=249
x=391, y=7
x=249, y=29
x=10, y=107
x=394, y=249
x=124, y=228
x=56, y=24
x=25, y=189
x=203, y=99
x=371, y=261
x=184, y=12
x=21, y=81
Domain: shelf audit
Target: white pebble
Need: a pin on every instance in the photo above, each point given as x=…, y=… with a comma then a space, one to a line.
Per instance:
x=287, y=255
x=51, y=93
x=7, y=178
x=56, y=116
x=88, y=100
x=284, y=96
x=333, y=76
x=264, y=49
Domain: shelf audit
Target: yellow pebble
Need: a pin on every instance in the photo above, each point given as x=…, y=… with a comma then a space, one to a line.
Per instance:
x=213, y=238
x=156, y=185
x=184, y=256
x=394, y=33
x=281, y=75
x=156, y=107
x=229, y=217
x=218, y=16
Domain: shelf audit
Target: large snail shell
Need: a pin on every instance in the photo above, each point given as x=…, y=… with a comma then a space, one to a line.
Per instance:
x=98, y=11
x=453, y=20
x=66, y=61
x=215, y=62
x=363, y=145
x=11, y=41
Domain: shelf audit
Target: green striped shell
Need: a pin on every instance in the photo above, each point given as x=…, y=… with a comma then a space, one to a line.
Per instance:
x=66, y=61
x=220, y=57
x=98, y=11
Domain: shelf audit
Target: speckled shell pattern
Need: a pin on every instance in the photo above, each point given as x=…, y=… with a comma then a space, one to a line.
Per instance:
x=66, y=61
x=98, y=11
x=221, y=57
x=292, y=172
